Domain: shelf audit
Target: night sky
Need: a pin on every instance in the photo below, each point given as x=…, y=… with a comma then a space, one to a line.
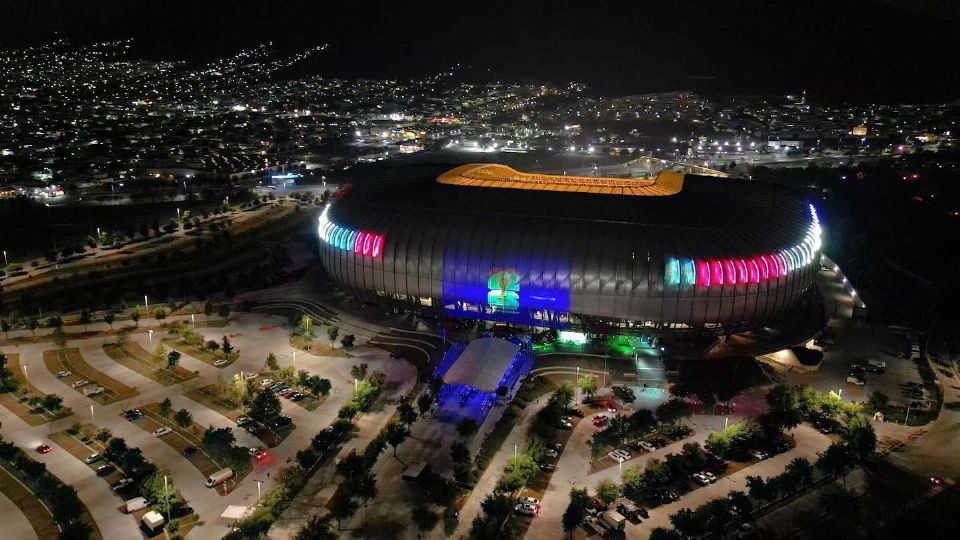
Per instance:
x=854, y=50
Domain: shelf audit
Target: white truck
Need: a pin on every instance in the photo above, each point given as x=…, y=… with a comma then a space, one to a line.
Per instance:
x=219, y=477
x=92, y=390
x=152, y=523
x=613, y=520
x=135, y=504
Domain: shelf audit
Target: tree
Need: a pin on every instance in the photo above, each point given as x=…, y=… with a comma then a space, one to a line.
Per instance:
x=33, y=323
x=407, y=415
x=497, y=506
x=642, y=418
x=424, y=402
x=756, y=487
x=673, y=411
x=784, y=406
x=316, y=528
x=576, y=510
x=536, y=448
x=797, y=473
x=159, y=353
x=224, y=311
x=661, y=533
x=607, y=491
x=103, y=435
x=208, y=308
x=320, y=386
x=860, y=437
x=54, y=322
x=624, y=394
x=183, y=418
x=173, y=358
x=351, y=465
x=688, y=523
x=59, y=337
x=878, y=402
x=341, y=506
x=136, y=317
x=348, y=341
x=159, y=313
x=85, y=318
x=272, y=362
x=332, y=333
x=467, y=428
x=588, y=385
x=365, y=487
x=835, y=460
x=358, y=372
x=619, y=428
x=563, y=396
x=226, y=346
x=166, y=407
x=162, y=493
x=5, y=326
x=459, y=453
x=694, y=456
x=741, y=502
x=396, y=434
x=108, y=318
x=52, y=402
x=265, y=407
x=424, y=518
x=306, y=325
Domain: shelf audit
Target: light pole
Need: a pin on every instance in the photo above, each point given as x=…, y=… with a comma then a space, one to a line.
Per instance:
x=5, y=263
x=725, y=420
x=620, y=461
x=258, y=490
x=514, y=451
x=150, y=334
x=146, y=304
x=294, y=361
x=178, y=213
x=840, y=393
x=166, y=497
x=24, y=368
x=93, y=419
x=193, y=320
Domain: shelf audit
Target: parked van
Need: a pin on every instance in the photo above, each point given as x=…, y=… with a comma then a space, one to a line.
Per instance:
x=219, y=477
x=613, y=520
x=92, y=390
x=876, y=366
x=135, y=504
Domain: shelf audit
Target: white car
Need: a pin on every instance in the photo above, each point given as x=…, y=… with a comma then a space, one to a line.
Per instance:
x=122, y=484
x=62, y=374
x=700, y=479
x=709, y=476
x=243, y=420
x=529, y=500
x=646, y=446
x=550, y=453
x=621, y=454
x=265, y=383
x=92, y=458
x=160, y=432
x=220, y=362
x=526, y=509
x=79, y=383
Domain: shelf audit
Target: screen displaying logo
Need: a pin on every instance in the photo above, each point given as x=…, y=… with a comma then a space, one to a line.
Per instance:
x=521, y=290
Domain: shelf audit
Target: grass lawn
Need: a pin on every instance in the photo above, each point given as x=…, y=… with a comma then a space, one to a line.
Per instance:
x=200, y=354
x=135, y=357
x=316, y=347
x=17, y=403
x=210, y=398
x=30, y=505
x=71, y=360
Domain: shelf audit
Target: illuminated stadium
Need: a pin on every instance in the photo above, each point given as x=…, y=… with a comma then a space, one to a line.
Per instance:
x=674, y=255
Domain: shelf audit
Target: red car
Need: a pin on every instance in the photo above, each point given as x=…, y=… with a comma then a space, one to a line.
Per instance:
x=599, y=420
x=936, y=480
x=44, y=449
x=260, y=454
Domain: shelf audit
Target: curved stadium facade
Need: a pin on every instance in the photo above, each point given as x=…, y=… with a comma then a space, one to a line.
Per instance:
x=675, y=253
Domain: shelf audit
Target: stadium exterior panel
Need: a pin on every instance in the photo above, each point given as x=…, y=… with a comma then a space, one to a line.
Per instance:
x=678, y=253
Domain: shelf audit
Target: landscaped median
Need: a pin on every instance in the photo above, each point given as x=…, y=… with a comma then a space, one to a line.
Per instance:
x=43, y=498
x=82, y=377
x=23, y=399
x=187, y=341
x=206, y=448
x=133, y=356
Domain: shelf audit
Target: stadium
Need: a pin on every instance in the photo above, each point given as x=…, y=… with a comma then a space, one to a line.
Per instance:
x=678, y=254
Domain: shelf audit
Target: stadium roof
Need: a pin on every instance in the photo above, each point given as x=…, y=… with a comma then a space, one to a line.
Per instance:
x=501, y=176
x=482, y=364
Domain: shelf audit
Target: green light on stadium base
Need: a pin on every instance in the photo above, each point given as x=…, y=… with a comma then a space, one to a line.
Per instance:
x=574, y=338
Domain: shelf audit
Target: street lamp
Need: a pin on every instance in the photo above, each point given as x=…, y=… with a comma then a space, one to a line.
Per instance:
x=193, y=320
x=24, y=368
x=166, y=497
x=620, y=460
x=725, y=420
x=514, y=451
x=840, y=393
x=146, y=304
x=178, y=213
x=93, y=419
x=5, y=263
x=150, y=334
x=294, y=361
x=258, y=490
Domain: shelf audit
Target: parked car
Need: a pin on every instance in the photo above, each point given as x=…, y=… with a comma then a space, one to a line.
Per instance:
x=547, y=467
x=659, y=442
x=106, y=469
x=78, y=383
x=189, y=451
x=759, y=454
x=600, y=420
x=623, y=454
x=133, y=414
x=550, y=453
x=281, y=421
x=575, y=412
x=62, y=374
x=526, y=509
x=854, y=379
x=259, y=453
x=220, y=362
x=699, y=478
x=93, y=458
x=709, y=476
x=297, y=396
x=644, y=445
x=555, y=446
x=44, y=449
x=243, y=420
x=529, y=500
x=160, y=432
x=566, y=424
x=124, y=482
x=265, y=383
